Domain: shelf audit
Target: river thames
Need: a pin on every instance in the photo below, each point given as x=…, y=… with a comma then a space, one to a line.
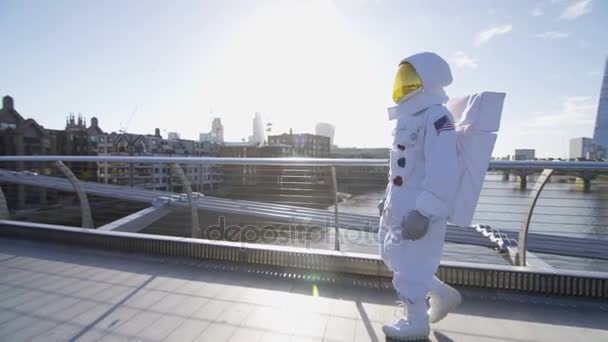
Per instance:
x=563, y=209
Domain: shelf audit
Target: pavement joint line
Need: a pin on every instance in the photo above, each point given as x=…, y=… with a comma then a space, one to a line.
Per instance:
x=110, y=310
x=41, y=305
x=55, y=292
x=9, y=258
x=47, y=318
x=37, y=297
x=150, y=309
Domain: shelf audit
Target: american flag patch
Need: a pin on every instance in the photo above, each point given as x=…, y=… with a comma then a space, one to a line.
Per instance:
x=443, y=124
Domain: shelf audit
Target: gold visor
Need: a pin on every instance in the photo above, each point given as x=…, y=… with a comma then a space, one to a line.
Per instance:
x=406, y=81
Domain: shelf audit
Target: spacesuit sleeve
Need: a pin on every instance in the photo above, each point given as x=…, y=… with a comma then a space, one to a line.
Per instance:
x=386, y=191
x=439, y=184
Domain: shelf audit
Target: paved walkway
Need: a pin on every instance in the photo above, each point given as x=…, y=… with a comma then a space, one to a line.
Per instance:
x=57, y=293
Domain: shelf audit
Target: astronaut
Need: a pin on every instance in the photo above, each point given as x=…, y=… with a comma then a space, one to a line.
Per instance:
x=420, y=194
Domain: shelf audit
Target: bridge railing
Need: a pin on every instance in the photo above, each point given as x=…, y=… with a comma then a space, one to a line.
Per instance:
x=562, y=215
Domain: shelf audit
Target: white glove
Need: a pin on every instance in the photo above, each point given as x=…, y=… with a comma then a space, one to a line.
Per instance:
x=415, y=226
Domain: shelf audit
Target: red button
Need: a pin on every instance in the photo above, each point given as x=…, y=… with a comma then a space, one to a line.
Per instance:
x=398, y=181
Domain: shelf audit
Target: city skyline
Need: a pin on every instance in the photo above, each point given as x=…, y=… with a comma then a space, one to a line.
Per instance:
x=216, y=133
x=176, y=62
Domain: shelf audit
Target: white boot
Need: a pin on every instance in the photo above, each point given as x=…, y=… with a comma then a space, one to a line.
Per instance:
x=443, y=299
x=405, y=330
x=413, y=328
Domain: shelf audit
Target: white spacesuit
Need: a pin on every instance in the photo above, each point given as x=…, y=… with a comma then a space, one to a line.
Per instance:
x=420, y=193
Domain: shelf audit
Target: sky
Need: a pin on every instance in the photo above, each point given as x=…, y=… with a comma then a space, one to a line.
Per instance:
x=138, y=65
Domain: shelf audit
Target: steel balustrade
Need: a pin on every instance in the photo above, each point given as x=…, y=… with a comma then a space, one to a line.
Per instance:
x=494, y=164
x=520, y=256
x=4, y=213
x=349, y=221
x=85, y=208
x=196, y=229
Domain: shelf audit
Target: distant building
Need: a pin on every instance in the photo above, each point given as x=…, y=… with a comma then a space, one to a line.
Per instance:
x=600, y=133
x=247, y=150
x=150, y=176
x=361, y=179
x=20, y=136
x=313, y=189
x=304, y=144
x=304, y=186
x=360, y=153
x=78, y=139
x=581, y=148
x=259, y=136
x=216, y=135
x=255, y=182
x=217, y=130
x=94, y=130
x=524, y=154
x=326, y=130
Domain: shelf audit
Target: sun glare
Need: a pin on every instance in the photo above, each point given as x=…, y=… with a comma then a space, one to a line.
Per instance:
x=299, y=61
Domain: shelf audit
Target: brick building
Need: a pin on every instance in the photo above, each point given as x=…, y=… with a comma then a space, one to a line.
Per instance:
x=20, y=136
x=304, y=144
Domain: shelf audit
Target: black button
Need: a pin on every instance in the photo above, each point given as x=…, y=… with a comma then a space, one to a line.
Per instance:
x=401, y=162
x=398, y=181
x=401, y=147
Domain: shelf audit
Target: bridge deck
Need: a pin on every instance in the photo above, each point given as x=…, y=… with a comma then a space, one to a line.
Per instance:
x=56, y=293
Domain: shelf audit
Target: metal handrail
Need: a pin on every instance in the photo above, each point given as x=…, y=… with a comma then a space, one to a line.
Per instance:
x=526, y=167
x=522, y=247
x=204, y=160
x=85, y=208
x=494, y=164
x=541, y=243
x=541, y=165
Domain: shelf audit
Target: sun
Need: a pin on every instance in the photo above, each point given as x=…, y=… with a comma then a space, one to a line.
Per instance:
x=297, y=60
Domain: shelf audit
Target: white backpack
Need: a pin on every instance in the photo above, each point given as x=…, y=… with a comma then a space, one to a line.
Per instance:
x=477, y=120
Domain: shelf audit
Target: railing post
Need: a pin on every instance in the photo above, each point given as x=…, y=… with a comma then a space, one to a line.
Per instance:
x=334, y=182
x=522, y=245
x=154, y=176
x=523, y=181
x=131, y=174
x=196, y=229
x=85, y=208
x=4, y=214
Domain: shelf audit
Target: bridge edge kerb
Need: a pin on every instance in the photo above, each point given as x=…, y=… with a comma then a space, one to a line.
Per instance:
x=497, y=277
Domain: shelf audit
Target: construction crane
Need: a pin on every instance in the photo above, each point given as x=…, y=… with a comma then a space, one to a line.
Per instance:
x=123, y=129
